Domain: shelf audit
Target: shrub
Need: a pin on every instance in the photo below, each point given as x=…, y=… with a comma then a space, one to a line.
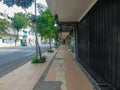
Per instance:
x=43, y=59
x=35, y=59
x=50, y=51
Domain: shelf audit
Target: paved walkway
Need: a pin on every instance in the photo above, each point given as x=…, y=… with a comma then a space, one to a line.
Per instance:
x=59, y=72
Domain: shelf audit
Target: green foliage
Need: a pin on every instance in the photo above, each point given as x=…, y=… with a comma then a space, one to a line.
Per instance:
x=40, y=7
x=22, y=3
x=33, y=18
x=50, y=51
x=4, y=25
x=45, y=25
x=35, y=59
x=39, y=60
x=43, y=58
x=20, y=21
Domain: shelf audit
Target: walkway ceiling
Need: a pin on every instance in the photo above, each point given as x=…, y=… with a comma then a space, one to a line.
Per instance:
x=69, y=11
x=63, y=35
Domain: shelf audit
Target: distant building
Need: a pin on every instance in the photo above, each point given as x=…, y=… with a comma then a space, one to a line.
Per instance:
x=25, y=36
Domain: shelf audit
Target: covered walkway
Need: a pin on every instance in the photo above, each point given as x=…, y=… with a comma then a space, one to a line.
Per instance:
x=59, y=72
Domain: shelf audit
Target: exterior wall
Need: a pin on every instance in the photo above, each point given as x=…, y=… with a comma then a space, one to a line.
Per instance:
x=67, y=41
x=98, y=38
x=72, y=42
x=8, y=39
x=31, y=38
x=28, y=36
x=83, y=42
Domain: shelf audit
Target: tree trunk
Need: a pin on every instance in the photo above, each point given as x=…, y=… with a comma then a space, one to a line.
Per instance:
x=16, y=39
x=50, y=43
x=38, y=49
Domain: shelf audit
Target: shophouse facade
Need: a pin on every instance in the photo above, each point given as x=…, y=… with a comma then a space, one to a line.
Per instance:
x=25, y=36
x=94, y=37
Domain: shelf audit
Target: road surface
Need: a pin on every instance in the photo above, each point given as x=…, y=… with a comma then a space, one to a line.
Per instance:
x=12, y=58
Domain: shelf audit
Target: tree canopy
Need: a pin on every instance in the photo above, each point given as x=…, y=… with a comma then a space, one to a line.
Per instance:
x=45, y=24
x=4, y=25
x=20, y=21
x=22, y=3
x=41, y=8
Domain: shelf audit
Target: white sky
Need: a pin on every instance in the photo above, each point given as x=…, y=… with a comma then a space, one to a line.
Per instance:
x=11, y=10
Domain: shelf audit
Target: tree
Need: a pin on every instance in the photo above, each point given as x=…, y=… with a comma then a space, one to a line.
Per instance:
x=41, y=8
x=20, y=21
x=22, y=3
x=33, y=24
x=4, y=25
x=45, y=26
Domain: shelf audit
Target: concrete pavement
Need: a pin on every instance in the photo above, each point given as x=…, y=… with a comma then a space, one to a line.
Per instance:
x=59, y=72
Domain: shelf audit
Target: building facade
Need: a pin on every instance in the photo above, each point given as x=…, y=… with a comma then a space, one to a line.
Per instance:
x=98, y=37
x=94, y=37
x=25, y=36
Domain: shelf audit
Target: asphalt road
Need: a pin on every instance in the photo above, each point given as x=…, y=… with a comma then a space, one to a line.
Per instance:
x=12, y=58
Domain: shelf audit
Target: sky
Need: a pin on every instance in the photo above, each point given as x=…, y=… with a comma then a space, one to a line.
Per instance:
x=11, y=10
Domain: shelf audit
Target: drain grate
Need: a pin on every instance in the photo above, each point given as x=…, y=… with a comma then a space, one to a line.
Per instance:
x=48, y=85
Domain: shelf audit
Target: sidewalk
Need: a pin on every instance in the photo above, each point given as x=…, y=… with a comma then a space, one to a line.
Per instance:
x=59, y=72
